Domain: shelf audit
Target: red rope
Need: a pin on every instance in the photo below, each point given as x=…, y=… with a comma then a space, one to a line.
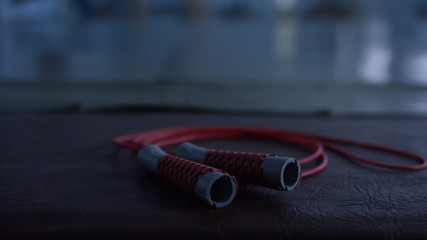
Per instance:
x=177, y=135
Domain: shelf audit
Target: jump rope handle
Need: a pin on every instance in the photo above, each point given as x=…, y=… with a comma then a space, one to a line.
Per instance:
x=213, y=186
x=269, y=170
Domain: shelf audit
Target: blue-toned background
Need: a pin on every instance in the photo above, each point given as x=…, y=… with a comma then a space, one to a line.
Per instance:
x=282, y=56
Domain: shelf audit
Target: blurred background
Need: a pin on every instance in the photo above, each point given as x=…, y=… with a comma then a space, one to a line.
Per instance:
x=327, y=57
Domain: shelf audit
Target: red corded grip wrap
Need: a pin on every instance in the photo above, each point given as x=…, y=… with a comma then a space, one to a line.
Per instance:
x=243, y=165
x=184, y=172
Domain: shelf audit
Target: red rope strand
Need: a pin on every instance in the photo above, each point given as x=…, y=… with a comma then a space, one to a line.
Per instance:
x=318, y=144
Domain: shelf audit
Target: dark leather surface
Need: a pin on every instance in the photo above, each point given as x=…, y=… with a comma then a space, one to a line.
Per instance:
x=62, y=177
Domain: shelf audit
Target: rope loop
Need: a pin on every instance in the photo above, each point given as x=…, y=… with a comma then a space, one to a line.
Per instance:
x=316, y=143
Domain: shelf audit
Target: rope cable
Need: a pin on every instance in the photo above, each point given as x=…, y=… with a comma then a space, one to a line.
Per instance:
x=316, y=143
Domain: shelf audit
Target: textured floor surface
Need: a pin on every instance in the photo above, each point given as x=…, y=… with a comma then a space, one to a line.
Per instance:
x=62, y=177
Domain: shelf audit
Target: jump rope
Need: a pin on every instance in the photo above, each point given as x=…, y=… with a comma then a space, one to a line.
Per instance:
x=212, y=175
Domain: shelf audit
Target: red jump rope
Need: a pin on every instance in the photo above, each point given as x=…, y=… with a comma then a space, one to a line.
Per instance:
x=266, y=169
